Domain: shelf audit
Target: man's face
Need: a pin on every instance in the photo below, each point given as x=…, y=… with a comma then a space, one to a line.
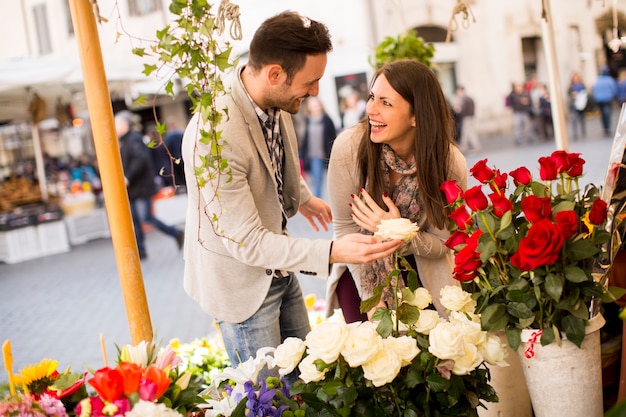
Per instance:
x=305, y=83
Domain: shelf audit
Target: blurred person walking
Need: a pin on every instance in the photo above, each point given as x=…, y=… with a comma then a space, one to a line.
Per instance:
x=578, y=103
x=464, y=108
x=604, y=92
x=520, y=103
x=139, y=177
x=317, y=141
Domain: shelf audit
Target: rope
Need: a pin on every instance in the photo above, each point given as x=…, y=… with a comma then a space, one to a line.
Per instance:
x=530, y=350
x=463, y=9
x=229, y=11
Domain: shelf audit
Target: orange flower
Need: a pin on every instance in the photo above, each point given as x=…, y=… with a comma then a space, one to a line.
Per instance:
x=108, y=383
x=159, y=378
x=131, y=374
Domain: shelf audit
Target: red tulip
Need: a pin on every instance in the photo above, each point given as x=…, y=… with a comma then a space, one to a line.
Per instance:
x=108, y=383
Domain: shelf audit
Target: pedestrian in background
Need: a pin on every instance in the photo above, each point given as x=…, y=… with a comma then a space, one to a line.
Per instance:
x=317, y=141
x=519, y=101
x=139, y=177
x=621, y=88
x=604, y=92
x=244, y=276
x=464, y=107
x=173, y=140
x=546, y=128
x=391, y=165
x=578, y=102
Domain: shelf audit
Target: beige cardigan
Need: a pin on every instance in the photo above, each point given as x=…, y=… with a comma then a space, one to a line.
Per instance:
x=434, y=260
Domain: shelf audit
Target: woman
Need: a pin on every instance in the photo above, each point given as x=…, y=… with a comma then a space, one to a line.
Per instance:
x=319, y=134
x=391, y=165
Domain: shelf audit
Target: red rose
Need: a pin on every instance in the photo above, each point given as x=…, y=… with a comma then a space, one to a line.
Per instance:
x=466, y=263
x=541, y=246
x=461, y=217
x=475, y=198
x=500, y=204
x=521, y=175
x=536, y=208
x=108, y=383
x=547, y=168
x=499, y=181
x=561, y=161
x=456, y=238
x=567, y=222
x=482, y=172
x=472, y=241
x=575, y=165
x=451, y=190
x=597, y=214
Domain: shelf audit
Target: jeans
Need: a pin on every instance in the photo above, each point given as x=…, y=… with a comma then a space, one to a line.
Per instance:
x=605, y=111
x=141, y=212
x=316, y=171
x=282, y=315
x=578, y=118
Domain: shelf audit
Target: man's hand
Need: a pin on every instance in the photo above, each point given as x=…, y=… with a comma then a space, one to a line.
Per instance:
x=316, y=208
x=357, y=248
x=367, y=214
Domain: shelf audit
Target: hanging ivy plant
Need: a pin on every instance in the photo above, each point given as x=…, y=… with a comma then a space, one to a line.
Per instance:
x=190, y=49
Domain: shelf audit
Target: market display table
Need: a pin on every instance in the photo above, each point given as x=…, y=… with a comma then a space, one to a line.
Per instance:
x=32, y=242
x=87, y=226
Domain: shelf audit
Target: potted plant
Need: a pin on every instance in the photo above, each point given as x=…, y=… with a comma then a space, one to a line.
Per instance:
x=528, y=258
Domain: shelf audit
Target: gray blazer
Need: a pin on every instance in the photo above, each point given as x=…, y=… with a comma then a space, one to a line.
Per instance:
x=229, y=265
x=434, y=260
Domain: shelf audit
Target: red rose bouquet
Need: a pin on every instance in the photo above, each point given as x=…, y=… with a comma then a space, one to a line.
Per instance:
x=528, y=257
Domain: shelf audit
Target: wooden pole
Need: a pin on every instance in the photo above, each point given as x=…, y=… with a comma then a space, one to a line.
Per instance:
x=556, y=101
x=111, y=171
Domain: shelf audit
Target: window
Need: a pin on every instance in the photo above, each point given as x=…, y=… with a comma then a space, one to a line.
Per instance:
x=143, y=7
x=41, y=25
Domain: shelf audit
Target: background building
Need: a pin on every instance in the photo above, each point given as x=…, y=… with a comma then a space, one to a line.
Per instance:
x=498, y=43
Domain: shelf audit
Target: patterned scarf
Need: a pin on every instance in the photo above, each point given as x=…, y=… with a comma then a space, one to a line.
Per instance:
x=406, y=197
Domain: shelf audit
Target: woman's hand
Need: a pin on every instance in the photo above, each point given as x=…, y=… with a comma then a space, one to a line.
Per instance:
x=367, y=214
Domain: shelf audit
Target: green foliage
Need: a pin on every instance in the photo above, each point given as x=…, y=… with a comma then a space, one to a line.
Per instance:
x=407, y=45
x=188, y=48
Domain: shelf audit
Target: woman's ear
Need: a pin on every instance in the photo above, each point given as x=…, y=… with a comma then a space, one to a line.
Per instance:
x=413, y=121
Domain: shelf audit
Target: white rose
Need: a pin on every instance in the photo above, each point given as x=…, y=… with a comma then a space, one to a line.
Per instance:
x=455, y=299
x=421, y=298
x=404, y=346
x=382, y=368
x=427, y=321
x=288, y=355
x=468, y=362
x=391, y=229
x=362, y=343
x=308, y=370
x=150, y=409
x=326, y=340
x=472, y=331
x=494, y=351
x=446, y=341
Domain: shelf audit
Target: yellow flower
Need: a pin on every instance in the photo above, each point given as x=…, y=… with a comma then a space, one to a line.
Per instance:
x=589, y=225
x=36, y=378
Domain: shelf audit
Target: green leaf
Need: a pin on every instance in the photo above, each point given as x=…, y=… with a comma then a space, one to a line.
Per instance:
x=148, y=69
x=575, y=274
x=554, y=286
x=574, y=328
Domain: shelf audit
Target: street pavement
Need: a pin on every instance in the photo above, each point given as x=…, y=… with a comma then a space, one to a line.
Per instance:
x=57, y=306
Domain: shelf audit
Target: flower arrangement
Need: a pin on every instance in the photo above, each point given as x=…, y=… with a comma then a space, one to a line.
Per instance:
x=430, y=366
x=146, y=381
x=529, y=257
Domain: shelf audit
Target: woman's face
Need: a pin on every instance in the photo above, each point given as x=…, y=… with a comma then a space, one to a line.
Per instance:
x=390, y=117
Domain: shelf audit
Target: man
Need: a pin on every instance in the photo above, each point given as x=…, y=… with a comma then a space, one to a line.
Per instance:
x=139, y=176
x=243, y=273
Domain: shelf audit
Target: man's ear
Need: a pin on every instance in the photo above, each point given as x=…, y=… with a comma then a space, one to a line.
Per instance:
x=275, y=74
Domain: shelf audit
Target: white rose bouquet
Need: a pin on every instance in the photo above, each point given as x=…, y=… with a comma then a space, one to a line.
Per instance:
x=432, y=367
